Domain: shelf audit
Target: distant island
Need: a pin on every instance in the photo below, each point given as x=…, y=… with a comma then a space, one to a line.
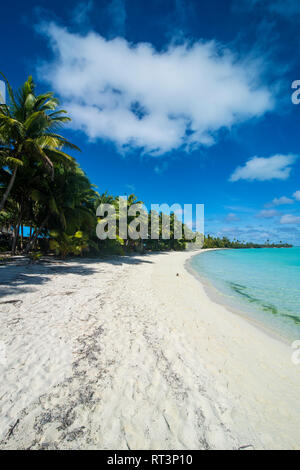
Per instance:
x=216, y=242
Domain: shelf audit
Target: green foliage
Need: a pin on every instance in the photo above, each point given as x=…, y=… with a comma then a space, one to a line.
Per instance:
x=63, y=244
x=28, y=125
x=44, y=189
x=36, y=256
x=113, y=247
x=216, y=242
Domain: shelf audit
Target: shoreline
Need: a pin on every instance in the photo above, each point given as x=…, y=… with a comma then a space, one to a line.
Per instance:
x=122, y=353
x=219, y=298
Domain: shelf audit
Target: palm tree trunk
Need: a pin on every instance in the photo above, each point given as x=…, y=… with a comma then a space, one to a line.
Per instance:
x=22, y=236
x=15, y=239
x=14, y=243
x=36, y=234
x=16, y=234
x=8, y=189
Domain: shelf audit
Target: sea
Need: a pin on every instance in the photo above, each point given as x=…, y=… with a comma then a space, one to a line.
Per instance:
x=263, y=284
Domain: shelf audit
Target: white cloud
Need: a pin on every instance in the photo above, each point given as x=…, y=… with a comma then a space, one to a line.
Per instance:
x=232, y=217
x=281, y=201
x=290, y=219
x=296, y=195
x=239, y=208
x=264, y=169
x=156, y=101
x=248, y=234
x=267, y=214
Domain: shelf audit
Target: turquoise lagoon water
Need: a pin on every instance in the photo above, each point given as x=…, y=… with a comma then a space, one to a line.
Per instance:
x=264, y=283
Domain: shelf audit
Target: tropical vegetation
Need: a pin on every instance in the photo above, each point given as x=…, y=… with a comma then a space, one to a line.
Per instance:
x=47, y=203
x=217, y=242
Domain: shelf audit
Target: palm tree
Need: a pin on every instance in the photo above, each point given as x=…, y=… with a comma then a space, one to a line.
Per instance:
x=131, y=200
x=65, y=207
x=28, y=126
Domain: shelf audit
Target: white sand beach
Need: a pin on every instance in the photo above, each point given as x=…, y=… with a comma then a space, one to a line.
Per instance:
x=122, y=353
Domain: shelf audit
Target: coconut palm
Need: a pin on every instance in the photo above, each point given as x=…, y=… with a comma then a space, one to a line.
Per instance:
x=65, y=207
x=28, y=133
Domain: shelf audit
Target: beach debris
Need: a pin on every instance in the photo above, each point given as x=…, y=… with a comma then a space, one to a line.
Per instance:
x=10, y=432
x=248, y=447
x=75, y=434
x=177, y=274
x=59, y=293
x=11, y=301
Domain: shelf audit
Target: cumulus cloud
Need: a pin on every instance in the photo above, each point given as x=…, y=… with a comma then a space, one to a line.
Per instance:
x=232, y=217
x=283, y=200
x=296, y=195
x=280, y=201
x=156, y=101
x=290, y=219
x=267, y=214
x=275, y=234
x=264, y=169
x=249, y=233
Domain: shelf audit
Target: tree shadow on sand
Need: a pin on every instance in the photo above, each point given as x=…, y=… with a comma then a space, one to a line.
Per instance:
x=21, y=276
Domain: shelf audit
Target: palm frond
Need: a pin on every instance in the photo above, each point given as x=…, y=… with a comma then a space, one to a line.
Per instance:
x=12, y=127
x=61, y=141
x=11, y=161
x=57, y=113
x=59, y=156
x=36, y=123
x=49, y=105
x=41, y=100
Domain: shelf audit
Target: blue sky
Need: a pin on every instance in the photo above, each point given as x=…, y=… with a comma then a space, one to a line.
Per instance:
x=177, y=101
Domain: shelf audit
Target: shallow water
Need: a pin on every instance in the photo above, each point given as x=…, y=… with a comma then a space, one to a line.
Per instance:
x=265, y=283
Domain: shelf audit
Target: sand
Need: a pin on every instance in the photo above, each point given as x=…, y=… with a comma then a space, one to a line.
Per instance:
x=122, y=353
